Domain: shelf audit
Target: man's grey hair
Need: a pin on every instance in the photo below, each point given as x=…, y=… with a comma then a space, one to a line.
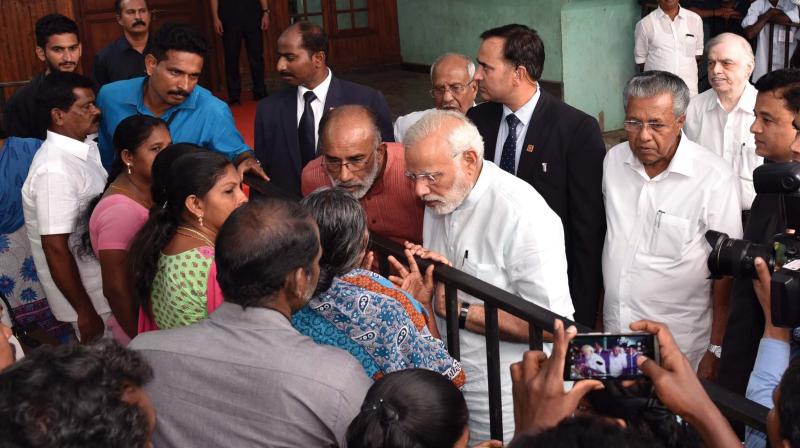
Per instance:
x=653, y=83
x=461, y=138
x=730, y=37
x=469, y=64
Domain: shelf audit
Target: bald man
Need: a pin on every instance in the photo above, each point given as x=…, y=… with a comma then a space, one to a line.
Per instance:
x=453, y=89
x=353, y=158
x=719, y=119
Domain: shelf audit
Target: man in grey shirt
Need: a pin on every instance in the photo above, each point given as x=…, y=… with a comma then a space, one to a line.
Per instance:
x=245, y=377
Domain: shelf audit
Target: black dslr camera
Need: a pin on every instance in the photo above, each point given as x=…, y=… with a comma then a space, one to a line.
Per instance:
x=732, y=257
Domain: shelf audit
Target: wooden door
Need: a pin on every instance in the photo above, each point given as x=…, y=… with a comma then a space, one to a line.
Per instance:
x=362, y=33
x=18, y=42
x=98, y=23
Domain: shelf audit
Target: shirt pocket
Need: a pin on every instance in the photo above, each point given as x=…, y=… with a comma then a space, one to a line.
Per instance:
x=669, y=236
x=689, y=45
x=490, y=273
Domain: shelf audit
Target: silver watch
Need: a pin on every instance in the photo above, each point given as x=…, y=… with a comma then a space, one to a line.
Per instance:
x=715, y=350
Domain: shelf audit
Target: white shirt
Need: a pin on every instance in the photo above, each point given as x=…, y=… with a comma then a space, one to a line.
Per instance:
x=757, y=9
x=524, y=115
x=617, y=363
x=727, y=134
x=64, y=176
x=655, y=253
x=661, y=43
x=403, y=123
x=317, y=106
x=515, y=242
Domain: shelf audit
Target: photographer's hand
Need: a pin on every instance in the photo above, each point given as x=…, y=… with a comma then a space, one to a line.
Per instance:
x=538, y=386
x=763, y=292
x=678, y=387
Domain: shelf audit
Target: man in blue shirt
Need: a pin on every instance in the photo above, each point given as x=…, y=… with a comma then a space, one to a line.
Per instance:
x=170, y=91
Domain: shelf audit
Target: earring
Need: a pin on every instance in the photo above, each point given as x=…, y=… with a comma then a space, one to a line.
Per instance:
x=200, y=218
x=129, y=168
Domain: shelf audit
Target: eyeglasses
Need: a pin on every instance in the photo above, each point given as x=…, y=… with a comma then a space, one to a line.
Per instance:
x=335, y=166
x=637, y=126
x=426, y=178
x=455, y=89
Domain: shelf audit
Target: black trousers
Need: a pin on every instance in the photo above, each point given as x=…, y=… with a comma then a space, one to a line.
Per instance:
x=232, y=37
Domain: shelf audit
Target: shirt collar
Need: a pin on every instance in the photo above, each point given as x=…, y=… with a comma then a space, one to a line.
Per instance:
x=321, y=91
x=252, y=316
x=136, y=98
x=489, y=172
x=69, y=145
x=681, y=13
x=392, y=159
x=682, y=162
x=747, y=102
x=525, y=112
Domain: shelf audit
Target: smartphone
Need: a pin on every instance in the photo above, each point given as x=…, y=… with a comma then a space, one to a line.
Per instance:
x=605, y=356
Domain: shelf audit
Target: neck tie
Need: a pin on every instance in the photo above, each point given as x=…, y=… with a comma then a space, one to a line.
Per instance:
x=305, y=130
x=509, y=156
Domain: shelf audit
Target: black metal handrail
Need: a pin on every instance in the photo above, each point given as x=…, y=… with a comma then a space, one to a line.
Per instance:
x=787, y=29
x=539, y=319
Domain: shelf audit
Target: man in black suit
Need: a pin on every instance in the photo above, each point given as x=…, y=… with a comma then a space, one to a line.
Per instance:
x=287, y=122
x=556, y=148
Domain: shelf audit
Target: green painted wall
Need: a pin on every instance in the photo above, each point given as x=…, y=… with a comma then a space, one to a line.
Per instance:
x=429, y=28
x=597, y=48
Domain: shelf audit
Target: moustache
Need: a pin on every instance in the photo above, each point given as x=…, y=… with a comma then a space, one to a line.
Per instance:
x=179, y=92
x=138, y=22
x=286, y=73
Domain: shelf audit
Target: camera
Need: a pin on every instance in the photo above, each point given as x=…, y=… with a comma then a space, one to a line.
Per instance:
x=736, y=258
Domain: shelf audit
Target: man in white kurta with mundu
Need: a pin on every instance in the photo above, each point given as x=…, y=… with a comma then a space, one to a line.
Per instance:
x=495, y=227
x=662, y=193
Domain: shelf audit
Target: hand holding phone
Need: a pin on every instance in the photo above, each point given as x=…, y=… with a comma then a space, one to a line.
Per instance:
x=608, y=356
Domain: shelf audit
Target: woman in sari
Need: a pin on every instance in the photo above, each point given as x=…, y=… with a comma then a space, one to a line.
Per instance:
x=382, y=326
x=19, y=283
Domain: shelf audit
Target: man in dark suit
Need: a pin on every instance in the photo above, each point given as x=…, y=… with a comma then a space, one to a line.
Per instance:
x=556, y=148
x=287, y=122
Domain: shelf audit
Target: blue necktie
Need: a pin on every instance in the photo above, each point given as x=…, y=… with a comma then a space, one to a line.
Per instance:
x=509, y=156
x=305, y=130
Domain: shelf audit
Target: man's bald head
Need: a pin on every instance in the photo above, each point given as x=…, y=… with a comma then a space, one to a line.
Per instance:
x=352, y=153
x=453, y=87
x=260, y=245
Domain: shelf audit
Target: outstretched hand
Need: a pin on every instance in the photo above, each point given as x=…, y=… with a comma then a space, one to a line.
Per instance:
x=540, y=401
x=411, y=280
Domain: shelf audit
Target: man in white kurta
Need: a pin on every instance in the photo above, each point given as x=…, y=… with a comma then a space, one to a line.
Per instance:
x=669, y=39
x=494, y=226
x=757, y=22
x=719, y=119
x=662, y=193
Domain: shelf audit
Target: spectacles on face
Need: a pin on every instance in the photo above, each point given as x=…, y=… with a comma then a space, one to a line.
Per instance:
x=455, y=89
x=426, y=178
x=335, y=165
x=637, y=126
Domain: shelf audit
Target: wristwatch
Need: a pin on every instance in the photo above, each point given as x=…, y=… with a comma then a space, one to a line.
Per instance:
x=715, y=350
x=266, y=11
x=462, y=315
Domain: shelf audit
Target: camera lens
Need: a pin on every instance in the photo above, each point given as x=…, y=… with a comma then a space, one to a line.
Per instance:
x=735, y=258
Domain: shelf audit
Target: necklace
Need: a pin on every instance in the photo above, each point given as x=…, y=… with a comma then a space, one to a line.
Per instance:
x=132, y=195
x=194, y=234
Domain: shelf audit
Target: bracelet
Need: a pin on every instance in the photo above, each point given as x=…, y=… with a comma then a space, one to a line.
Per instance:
x=462, y=316
x=266, y=11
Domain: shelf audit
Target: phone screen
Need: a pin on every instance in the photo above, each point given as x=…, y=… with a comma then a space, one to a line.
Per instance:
x=608, y=356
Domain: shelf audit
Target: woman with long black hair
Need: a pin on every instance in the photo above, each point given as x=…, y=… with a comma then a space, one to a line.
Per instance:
x=172, y=255
x=121, y=211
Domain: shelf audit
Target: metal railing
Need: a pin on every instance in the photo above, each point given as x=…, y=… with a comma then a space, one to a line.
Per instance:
x=788, y=37
x=539, y=319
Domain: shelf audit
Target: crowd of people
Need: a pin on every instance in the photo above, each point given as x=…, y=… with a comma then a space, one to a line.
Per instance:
x=186, y=309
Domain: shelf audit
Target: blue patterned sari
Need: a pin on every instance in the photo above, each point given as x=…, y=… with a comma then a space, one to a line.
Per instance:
x=382, y=326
